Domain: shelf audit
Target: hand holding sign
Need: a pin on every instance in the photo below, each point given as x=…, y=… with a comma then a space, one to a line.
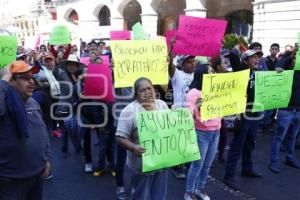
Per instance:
x=272, y=90
x=224, y=94
x=134, y=59
x=171, y=38
x=169, y=138
x=138, y=150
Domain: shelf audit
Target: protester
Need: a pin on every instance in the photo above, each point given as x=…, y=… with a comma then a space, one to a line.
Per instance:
x=269, y=64
x=43, y=48
x=208, y=133
x=181, y=79
x=147, y=186
x=221, y=65
x=256, y=46
x=47, y=90
x=270, y=61
x=123, y=97
x=59, y=57
x=288, y=122
x=244, y=138
x=67, y=74
x=66, y=50
x=24, y=142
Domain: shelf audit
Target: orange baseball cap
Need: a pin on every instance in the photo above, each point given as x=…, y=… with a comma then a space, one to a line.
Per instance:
x=22, y=67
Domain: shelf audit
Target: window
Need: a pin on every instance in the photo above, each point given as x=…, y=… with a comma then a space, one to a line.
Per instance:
x=104, y=16
x=240, y=22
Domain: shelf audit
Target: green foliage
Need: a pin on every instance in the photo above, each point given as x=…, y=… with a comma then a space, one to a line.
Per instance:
x=243, y=41
x=230, y=40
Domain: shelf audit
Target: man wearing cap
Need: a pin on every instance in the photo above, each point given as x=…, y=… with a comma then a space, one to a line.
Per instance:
x=244, y=138
x=47, y=91
x=24, y=142
x=181, y=79
x=45, y=77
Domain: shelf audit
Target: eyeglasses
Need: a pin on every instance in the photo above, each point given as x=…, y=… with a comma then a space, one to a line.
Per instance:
x=25, y=78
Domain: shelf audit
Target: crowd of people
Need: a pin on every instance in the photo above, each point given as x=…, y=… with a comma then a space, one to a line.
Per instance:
x=41, y=91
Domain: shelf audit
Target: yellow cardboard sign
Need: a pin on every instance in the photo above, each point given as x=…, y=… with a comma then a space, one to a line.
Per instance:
x=139, y=58
x=224, y=94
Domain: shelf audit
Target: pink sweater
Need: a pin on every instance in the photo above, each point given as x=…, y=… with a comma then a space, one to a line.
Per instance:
x=210, y=125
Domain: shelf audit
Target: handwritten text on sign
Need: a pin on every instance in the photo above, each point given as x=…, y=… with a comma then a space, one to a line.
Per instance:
x=199, y=36
x=272, y=90
x=8, y=49
x=224, y=94
x=134, y=59
x=169, y=138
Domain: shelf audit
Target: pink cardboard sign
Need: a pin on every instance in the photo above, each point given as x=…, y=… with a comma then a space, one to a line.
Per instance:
x=169, y=36
x=98, y=82
x=120, y=35
x=85, y=60
x=199, y=36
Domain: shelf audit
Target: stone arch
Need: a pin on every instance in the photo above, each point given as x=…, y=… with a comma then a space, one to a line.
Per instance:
x=219, y=9
x=238, y=13
x=131, y=10
x=103, y=14
x=71, y=15
x=168, y=14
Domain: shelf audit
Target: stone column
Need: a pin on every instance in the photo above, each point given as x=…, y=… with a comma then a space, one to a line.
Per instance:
x=195, y=8
x=116, y=19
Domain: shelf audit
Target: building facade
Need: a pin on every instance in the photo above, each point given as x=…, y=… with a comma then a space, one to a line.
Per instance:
x=23, y=18
x=266, y=21
x=276, y=21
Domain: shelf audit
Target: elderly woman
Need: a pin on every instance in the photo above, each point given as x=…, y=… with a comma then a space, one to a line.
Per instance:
x=146, y=186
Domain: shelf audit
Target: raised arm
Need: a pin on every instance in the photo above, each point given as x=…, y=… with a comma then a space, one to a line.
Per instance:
x=172, y=67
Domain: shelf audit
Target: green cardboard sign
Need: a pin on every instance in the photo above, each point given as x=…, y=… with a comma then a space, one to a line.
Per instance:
x=297, y=64
x=60, y=35
x=168, y=137
x=272, y=90
x=8, y=49
x=138, y=32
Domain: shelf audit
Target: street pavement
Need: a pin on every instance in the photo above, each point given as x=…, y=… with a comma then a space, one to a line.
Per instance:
x=70, y=182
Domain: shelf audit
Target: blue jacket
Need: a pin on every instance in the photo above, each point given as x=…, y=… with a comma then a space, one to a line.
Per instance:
x=12, y=103
x=23, y=157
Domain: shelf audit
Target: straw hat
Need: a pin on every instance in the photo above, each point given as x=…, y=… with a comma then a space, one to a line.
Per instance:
x=72, y=58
